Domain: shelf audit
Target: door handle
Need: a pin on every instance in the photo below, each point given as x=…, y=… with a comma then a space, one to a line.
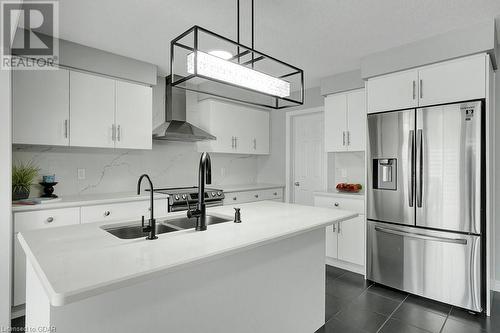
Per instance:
x=422, y=236
x=343, y=138
x=411, y=162
x=296, y=184
x=420, y=167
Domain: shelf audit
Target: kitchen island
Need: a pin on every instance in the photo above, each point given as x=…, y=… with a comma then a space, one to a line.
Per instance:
x=266, y=274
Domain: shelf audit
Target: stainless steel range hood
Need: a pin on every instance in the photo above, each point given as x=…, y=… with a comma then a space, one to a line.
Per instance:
x=175, y=127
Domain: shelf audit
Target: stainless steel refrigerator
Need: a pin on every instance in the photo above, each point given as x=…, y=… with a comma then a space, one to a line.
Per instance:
x=426, y=198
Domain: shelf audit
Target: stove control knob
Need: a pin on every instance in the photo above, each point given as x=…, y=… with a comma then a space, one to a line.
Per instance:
x=219, y=193
x=213, y=194
x=184, y=197
x=176, y=197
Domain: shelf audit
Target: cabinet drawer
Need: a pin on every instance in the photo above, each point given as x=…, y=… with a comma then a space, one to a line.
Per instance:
x=271, y=194
x=46, y=219
x=355, y=205
x=125, y=210
x=250, y=196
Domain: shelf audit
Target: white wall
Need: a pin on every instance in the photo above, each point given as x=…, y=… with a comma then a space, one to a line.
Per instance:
x=5, y=199
x=346, y=167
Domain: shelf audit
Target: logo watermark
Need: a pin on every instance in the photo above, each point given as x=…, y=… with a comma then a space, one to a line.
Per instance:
x=30, y=34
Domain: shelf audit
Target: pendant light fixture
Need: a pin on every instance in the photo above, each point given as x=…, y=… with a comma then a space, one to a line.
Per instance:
x=213, y=65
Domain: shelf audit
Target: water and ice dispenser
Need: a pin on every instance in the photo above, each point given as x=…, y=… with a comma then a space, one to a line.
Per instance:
x=385, y=173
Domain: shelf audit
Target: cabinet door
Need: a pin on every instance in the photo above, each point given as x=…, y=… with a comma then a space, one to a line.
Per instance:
x=40, y=107
x=356, y=120
x=92, y=106
x=134, y=112
x=29, y=221
x=259, y=132
x=336, y=122
x=351, y=240
x=217, y=119
x=331, y=241
x=392, y=92
x=453, y=81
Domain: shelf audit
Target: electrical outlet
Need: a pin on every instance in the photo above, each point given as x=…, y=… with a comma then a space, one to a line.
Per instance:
x=343, y=172
x=81, y=174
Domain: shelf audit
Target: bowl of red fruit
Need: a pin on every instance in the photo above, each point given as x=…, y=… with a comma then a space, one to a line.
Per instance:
x=349, y=188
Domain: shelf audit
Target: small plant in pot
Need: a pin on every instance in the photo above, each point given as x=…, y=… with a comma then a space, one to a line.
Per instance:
x=23, y=176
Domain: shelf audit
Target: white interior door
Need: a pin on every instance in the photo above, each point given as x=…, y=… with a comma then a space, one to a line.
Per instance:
x=308, y=157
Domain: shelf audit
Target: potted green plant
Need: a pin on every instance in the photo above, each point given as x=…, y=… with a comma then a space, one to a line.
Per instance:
x=23, y=175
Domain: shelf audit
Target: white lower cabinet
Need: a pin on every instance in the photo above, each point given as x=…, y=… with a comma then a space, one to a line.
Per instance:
x=345, y=241
x=232, y=198
x=121, y=211
x=26, y=221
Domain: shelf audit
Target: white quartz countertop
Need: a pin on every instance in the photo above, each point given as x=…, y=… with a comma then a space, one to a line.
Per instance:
x=335, y=194
x=88, y=200
x=247, y=187
x=80, y=261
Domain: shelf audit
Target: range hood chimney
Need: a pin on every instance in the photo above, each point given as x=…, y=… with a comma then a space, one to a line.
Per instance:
x=175, y=127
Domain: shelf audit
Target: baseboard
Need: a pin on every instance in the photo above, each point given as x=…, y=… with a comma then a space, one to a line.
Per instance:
x=345, y=265
x=17, y=311
x=495, y=285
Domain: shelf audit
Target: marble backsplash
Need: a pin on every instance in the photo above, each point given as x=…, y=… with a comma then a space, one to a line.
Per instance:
x=108, y=170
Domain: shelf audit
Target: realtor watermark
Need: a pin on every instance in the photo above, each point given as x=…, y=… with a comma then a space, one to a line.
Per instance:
x=29, y=34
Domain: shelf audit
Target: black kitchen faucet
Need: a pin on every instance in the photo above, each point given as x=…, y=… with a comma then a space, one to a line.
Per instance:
x=204, y=177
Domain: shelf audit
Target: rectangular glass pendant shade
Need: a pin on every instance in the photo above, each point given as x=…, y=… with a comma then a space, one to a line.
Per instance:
x=233, y=73
x=242, y=75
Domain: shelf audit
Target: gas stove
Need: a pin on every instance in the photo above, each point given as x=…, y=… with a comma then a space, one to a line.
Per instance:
x=179, y=198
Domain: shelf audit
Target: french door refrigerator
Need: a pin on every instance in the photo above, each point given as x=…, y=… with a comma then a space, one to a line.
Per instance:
x=425, y=207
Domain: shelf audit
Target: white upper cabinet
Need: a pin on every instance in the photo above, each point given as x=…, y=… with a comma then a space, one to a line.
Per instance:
x=345, y=117
x=63, y=107
x=393, y=92
x=239, y=129
x=92, y=107
x=447, y=82
x=335, y=122
x=133, y=116
x=457, y=80
x=41, y=107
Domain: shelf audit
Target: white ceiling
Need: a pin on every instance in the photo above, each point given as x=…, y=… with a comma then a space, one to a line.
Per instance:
x=323, y=37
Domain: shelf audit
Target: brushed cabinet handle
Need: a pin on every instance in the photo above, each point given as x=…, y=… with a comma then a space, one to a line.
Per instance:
x=236, y=142
x=334, y=228
x=338, y=227
x=348, y=138
x=119, y=133
x=343, y=138
x=66, y=128
x=256, y=196
x=414, y=89
x=254, y=144
x=107, y=213
x=296, y=184
x=50, y=219
x=421, y=89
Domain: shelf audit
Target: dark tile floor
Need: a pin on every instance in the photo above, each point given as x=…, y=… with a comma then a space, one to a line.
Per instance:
x=354, y=305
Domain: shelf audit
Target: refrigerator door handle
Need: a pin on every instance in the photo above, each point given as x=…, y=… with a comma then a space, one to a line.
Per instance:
x=420, y=167
x=411, y=162
x=422, y=236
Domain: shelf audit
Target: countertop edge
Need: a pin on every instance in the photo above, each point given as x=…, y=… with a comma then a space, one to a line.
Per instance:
x=83, y=203
x=61, y=299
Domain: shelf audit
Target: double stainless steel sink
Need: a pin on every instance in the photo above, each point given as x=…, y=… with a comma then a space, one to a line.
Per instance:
x=134, y=229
